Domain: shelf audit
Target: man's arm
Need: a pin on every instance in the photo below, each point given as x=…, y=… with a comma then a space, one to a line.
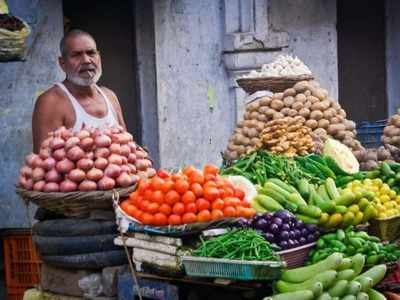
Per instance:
x=46, y=117
x=117, y=107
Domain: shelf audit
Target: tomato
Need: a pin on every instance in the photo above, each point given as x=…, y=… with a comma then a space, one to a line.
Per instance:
x=209, y=183
x=163, y=174
x=172, y=197
x=228, y=192
x=188, y=170
x=229, y=212
x=249, y=212
x=232, y=201
x=124, y=206
x=217, y=214
x=131, y=210
x=134, y=195
x=176, y=177
x=157, y=197
x=197, y=189
x=211, y=193
x=144, y=205
x=143, y=186
x=210, y=177
x=181, y=186
x=137, y=201
x=188, y=197
x=196, y=177
x=244, y=203
x=204, y=216
x=147, y=219
x=218, y=204
x=239, y=194
x=202, y=204
x=210, y=169
x=138, y=215
x=167, y=186
x=178, y=208
x=189, y=218
x=156, y=183
x=174, y=220
x=148, y=194
x=153, y=208
x=165, y=209
x=240, y=211
x=191, y=207
x=160, y=219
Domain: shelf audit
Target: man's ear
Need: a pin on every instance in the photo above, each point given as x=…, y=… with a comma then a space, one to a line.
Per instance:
x=61, y=63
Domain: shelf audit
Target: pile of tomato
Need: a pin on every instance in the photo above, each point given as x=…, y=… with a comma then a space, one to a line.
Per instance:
x=189, y=196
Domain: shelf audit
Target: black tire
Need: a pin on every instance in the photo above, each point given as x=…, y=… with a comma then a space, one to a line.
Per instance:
x=97, y=260
x=74, y=227
x=74, y=245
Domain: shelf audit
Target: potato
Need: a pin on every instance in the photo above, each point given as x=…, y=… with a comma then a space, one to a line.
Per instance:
x=241, y=149
x=289, y=92
x=340, y=118
x=278, y=96
x=240, y=124
x=304, y=112
x=277, y=104
x=312, y=123
x=293, y=112
x=334, y=120
x=314, y=83
x=329, y=113
x=288, y=101
x=265, y=101
x=386, y=140
x=255, y=142
x=336, y=105
x=317, y=106
x=253, y=106
x=262, y=118
x=307, y=93
x=320, y=132
x=307, y=104
x=323, y=123
x=340, y=135
x=350, y=125
x=297, y=106
x=263, y=109
x=245, y=131
x=396, y=120
x=342, y=113
x=316, y=115
x=260, y=126
x=301, y=86
x=252, y=132
x=285, y=111
x=301, y=98
x=349, y=134
x=246, y=115
x=312, y=99
x=239, y=139
x=325, y=104
x=333, y=129
x=316, y=92
x=395, y=140
x=277, y=116
x=388, y=129
x=254, y=115
x=270, y=112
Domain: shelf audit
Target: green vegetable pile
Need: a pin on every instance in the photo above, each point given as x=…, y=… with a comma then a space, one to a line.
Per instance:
x=240, y=244
x=350, y=242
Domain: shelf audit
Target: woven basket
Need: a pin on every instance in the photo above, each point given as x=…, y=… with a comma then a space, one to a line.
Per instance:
x=296, y=257
x=13, y=43
x=386, y=229
x=74, y=204
x=273, y=84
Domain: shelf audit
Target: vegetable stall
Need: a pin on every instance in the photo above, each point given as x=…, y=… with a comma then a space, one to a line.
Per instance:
x=291, y=206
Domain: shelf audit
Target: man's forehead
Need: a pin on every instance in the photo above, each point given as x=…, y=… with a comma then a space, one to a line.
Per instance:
x=81, y=42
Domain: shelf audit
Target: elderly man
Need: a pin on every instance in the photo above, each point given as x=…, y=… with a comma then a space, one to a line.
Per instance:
x=78, y=101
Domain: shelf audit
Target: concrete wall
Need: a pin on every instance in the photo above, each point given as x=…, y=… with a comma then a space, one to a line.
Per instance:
x=19, y=85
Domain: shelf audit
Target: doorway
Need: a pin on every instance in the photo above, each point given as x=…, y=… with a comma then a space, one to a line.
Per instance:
x=361, y=59
x=112, y=26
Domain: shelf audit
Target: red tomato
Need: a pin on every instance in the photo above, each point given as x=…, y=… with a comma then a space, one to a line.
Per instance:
x=202, y=204
x=204, y=216
x=189, y=218
x=178, y=208
x=191, y=208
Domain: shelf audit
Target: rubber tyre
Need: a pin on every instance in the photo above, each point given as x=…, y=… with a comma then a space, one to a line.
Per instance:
x=74, y=245
x=97, y=260
x=74, y=227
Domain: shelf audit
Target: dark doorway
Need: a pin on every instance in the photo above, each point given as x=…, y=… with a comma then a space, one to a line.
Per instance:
x=361, y=59
x=112, y=26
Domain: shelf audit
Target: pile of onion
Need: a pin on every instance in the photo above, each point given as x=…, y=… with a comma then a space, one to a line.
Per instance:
x=88, y=160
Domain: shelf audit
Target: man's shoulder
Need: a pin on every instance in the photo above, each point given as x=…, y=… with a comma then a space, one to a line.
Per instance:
x=52, y=96
x=109, y=92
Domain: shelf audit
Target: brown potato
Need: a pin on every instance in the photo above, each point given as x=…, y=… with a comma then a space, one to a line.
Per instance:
x=316, y=92
x=301, y=98
x=334, y=120
x=278, y=96
x=304, y=112
x=297, y=106
x=277, y=116
x=333, y=129
x=289, y=92
x=265, y=101
x=307, y=93
x=301, y=86
x=262, y=118
x=311, y=123
x=293, y=112
x=342, y=113
x=270, y=112
x=312, y=99
x=323, y=123
x=285, y=111
x=316, y=115
x=253, y=106
x=288, y=101
x=254, y=115
x=277, y=104
x=246, y=115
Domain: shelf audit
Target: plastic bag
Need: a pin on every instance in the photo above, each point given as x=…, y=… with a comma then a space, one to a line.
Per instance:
x=91, y=285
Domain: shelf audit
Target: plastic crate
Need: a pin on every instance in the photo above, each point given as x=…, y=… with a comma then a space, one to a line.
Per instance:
x=232, y=269
x=370, y=133
x=296, y=257
x=21, y=262
x=386, y=229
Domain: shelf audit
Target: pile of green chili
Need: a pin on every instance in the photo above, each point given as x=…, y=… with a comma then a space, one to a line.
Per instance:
x=239, y=244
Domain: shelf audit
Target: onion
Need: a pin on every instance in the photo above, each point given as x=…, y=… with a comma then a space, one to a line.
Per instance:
x=87, y=143
x=53, y=176
x=66, y=134
x=72, y=141
x=37, y=162
x=57, y=143
x=89, y=155
x=26, y=171
x=85, y=164
x=132, y=146
x=135, y=178
x=101, y=163
x=132, y=158
x=124, y=180
x=95, y=132
x=140, y=154
x=65, y=166
x=38, y=186
x=83, y=134
x=116, y=138
x=129, y=137
x=112, y=171
x=76, y=175
x=87, y=185
x=125, y=168
x=21, y=181
x=124, y=160
x=59, y=154
x=44, y=153
x=106, y=183
x=102, y=141
x=141, y=164
x=49, y=163
x=102, y=152
x=95, y=174
x=37, y=174
x=125, y=150
x=28, y=184
x=51, y=187
x=115, y=148
x=151, y=172
x=67, y=186
x=46, y=143
x=115, y=159
x=115, y=130
x=75, y=153
x=132, y=168
x=29, y=159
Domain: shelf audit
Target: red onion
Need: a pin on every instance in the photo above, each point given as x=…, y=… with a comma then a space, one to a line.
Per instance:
x=132, y=158
x=49, y=163
x=102, y=152
x=115, y=159
x=101, y=163
x=76, y=175
x=72, y=141
x=38, y=186
x=37, y=174
x=102, y=141
x=85, y=164
x=115, y=148
x=112, y=171
x=57, y=143
x=75, y=153
x=44, y=153
x=106, y=183
x=87, y=143
x=87, y=185
x=95, y=174
x=59, y=154
x=29, y=159
x=53, y=176
x=51, y=187
x=124, y=180
x=26, y=171
x=125, y=150
x=67, y=186
x=65, y=166
x=83, y=134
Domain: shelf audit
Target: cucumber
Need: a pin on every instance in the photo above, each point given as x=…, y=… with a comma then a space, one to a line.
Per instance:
x=257, y=206
x=346, y=274
x=283, y=185
x=331, y=188
x=324, y=296
x=357, y=263
x=345, y=264
x=353, y=288
x=317, y=289
x=277, y=188
x=323, y=193
x=349, y=297
x=339, y=289
x=377, y=273
x=304, y=273
x=307, y=219
x=362, y=296
x=304, y=188
x=268, y=203
x=375, y=295
x=327, y=278
x=299, y=295
x=341, y=209
x=310, y=211
x=366, y=283
x=296, y=199
x=346, y=199
x=325, y=206
x=279, y=198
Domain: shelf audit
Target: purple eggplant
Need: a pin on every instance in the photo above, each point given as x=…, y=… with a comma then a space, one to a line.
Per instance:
x=304, y=232
x=261, y=225
x=283, y=244
x=302, y=240
x=269, y=237
x=284, y=235
x=310, y=238
x=273, y=228
x=285, y=226
x=277, y=221
x=284, y=215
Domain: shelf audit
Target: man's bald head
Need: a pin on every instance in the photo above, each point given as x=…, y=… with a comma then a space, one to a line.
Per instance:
x=72, y=34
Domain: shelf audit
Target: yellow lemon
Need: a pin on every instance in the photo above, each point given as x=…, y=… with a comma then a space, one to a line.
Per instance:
x=392, y=194
x=384, y=198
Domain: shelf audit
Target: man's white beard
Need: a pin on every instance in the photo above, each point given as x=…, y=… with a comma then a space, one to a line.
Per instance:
x=76, y=79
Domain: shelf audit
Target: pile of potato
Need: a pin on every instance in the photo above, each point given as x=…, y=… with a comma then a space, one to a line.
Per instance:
x=391, y=133
x=288, y=136
x=306, y=99
x=370, y=159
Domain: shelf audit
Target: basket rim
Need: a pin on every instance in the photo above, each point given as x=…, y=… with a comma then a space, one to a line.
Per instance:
x=292, y=250
x=266, y=263
x=288, y=77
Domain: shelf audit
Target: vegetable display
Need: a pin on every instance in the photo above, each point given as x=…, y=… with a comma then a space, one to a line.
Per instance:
x=283, y=229
x=342, y=155
x=88, y=160
x=240, y=244
x=350, y=242
x=334, y=277
x=187, y=197
x=391, y=133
